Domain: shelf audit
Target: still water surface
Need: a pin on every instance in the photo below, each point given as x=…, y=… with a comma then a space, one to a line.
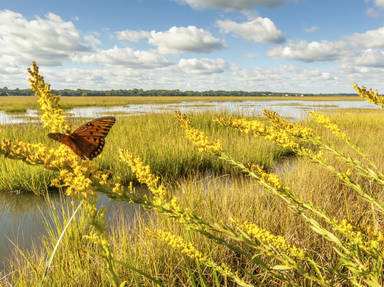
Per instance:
x=23, y=219
x=22, y=216
x=296, y=109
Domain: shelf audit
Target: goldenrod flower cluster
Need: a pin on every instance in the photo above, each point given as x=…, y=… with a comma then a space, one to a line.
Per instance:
x=370, y=242
x=142, y=171
x=293, y=129
x=74, y=174
x=190, y=251
x=369, y=95
x=326, y=121
x=284, y=139
x=197, y=137
x=376, y=238
x=30, y=153
x=144, y=176
x=274, y=243
x=257, y=128
x=36, y=154
x=246, y=126
x=76, y=181
x=77, y=176
x=53, y=116
x=272, y=179
x=162, y=199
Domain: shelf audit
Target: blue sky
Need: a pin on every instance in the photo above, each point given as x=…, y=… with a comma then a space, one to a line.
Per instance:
x=253, y=45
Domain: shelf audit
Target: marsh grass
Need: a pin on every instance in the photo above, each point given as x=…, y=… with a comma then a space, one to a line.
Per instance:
x=365, y=127
x=15, y=109
x=156, y=138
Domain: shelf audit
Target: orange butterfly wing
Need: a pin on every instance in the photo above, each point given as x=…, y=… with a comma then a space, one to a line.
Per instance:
x=88, y=140
x=98, y=127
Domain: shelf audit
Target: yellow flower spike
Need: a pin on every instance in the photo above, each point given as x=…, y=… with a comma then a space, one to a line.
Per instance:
x=72, y=171
x=257, y=128
x=370, y=241
x=141, y=171
x=246, y=126
x=272, y=179
x=144, y=176
x=53, y=116
x=118, y=189
x=369, y=96
x=326, y=122
x=293, y=129
x=269, y=240
x=197, y=137
x=190, y=251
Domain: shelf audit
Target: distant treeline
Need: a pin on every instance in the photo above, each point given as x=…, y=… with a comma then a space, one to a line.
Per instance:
x=156, y=93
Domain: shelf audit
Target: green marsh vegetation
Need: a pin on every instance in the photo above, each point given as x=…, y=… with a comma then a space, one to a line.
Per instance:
x=171, y=157
x=227, y=228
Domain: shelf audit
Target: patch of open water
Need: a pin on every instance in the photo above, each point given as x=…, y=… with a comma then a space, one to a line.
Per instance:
x=23, y=219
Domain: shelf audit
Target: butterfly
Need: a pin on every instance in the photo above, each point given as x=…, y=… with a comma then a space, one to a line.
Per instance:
x=88, y=140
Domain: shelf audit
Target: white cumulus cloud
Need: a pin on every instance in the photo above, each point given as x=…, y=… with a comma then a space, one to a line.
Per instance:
x=369, y=39
x=309, y=51
x=202, y=66
x=49, y=41
x=179, y=40
x=258, y=30
x=369, y=58
x=231, y=4
x=132, y=35
x=355, y=48
x=127, y=57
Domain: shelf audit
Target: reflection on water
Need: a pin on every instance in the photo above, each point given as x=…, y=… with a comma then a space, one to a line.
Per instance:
x=22, y=219
x=295, y=109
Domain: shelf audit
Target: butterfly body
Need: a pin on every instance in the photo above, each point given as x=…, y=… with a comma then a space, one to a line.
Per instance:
x=88, y=140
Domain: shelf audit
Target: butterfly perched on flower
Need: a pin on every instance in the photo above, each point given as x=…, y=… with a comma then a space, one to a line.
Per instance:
x=88, y=140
